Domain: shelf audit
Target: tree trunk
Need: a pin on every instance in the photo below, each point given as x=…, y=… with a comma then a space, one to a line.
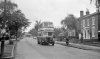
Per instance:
x=2, y=47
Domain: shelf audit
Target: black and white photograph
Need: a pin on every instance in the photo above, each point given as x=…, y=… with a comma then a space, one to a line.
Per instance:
x=49, y=29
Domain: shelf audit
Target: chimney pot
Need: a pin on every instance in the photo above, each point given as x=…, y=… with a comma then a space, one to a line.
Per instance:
x=87, y=12
x=81, y=13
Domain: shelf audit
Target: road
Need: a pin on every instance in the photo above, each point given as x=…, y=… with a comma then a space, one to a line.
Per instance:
x=28, y=48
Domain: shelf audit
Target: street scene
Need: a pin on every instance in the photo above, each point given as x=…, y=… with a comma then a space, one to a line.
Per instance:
x=50, y=29
x=28, y=48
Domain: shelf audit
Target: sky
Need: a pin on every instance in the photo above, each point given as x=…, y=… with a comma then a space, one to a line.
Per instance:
x=52, y=10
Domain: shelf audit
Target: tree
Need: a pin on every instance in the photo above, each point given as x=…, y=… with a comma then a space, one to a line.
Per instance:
x=97, y=3
x=11, y=19
x=7, y=8
x=70, y=21
x=17, y=18
x=37, y=24
x=57, y=31
x=9, y=5
x=5, y=11
x=33, y=32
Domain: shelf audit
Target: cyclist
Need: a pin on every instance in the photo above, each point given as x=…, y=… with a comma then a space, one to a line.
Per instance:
x=67, y=41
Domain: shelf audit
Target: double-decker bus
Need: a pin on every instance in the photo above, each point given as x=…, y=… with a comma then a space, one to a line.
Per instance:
x=46, y=33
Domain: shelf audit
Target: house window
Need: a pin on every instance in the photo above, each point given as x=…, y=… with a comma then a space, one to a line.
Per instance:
x=93, y=20
x=83, y=34
x=87, y=22
x=83, y=23
x=93, y=31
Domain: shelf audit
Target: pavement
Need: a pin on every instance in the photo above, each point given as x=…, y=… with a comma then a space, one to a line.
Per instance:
x=80, y=46
x=9, y=50
x=28, y=48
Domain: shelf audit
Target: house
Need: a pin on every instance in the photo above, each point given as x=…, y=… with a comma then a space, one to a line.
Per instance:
x=89, y=25
x=71, y=33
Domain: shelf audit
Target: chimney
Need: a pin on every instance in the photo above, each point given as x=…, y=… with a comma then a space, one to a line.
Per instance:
x=87, y=12
x=81, y=13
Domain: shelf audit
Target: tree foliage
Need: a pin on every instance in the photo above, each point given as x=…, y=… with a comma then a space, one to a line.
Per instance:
x=13, y=17
x=70, y=21
x=33, y=32
x=37, y=24
x=9, y=6
x=57, y=31
x=97, y=2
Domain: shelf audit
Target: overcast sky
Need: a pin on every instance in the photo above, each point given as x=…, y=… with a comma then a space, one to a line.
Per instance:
x=52, y=10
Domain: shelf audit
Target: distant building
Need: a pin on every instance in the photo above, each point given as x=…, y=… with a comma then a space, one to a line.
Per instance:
x=89, y=24
x=71, y=33
x=26, y=34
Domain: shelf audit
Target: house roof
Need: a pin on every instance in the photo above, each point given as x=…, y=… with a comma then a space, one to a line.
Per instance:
x=88, y=15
